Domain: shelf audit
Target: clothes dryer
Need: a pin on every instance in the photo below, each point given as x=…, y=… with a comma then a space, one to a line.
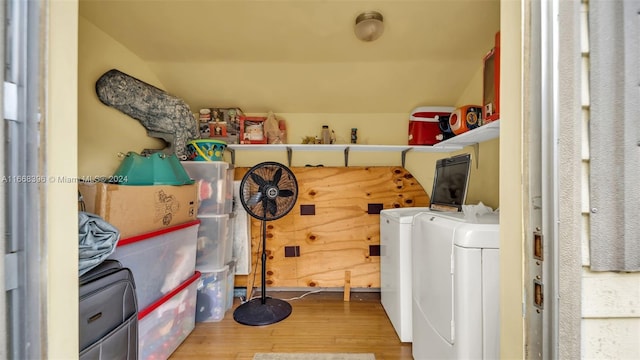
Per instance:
x=455, y=307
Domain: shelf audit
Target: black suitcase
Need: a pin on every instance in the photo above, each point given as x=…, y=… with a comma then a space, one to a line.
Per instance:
x=108, y=313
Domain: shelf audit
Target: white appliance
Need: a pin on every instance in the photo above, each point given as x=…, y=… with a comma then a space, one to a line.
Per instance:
x=395, y=267
x=455, y=306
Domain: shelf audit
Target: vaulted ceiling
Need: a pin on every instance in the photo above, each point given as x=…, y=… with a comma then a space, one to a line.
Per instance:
x=302, y=55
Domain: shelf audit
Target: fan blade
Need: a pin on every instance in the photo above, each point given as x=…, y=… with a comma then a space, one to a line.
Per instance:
x=258, y=179
x=254, y=199
x=285, y=193
x=277, y=176
x=272, y=207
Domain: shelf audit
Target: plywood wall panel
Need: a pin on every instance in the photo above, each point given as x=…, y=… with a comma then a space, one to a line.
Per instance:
x=340, y=235
x=280, y=234
x=325, y=265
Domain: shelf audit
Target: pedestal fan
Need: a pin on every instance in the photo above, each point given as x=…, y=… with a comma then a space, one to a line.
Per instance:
x=268, y=191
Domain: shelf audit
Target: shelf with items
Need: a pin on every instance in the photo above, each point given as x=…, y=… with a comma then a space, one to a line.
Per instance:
x=475, y=136
x=346, y=148
x=481, y=134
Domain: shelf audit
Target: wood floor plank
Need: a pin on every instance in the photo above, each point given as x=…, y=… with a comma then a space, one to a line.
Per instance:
x=319, y=322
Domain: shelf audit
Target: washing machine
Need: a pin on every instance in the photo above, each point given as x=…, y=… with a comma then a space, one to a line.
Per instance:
x=395, y=267
x=455, y=306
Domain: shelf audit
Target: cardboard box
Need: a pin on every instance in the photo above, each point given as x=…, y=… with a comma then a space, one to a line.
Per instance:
x=217, y=129
x=252, y=130
x=136, y=210
x=226, y=119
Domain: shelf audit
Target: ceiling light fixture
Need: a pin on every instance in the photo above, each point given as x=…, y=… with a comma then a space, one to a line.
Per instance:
x=369, y=26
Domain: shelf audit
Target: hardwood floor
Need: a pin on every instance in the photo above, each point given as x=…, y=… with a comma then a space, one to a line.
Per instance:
x=320, y=322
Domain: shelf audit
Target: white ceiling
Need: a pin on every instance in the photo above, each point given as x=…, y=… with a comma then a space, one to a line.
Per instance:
x=302, y=55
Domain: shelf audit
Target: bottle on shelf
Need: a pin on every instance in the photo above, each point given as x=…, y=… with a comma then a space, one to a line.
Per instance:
x=325, y=135
x=354, y=135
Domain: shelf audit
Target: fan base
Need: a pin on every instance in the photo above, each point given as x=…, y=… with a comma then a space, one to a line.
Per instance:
x=255, y=313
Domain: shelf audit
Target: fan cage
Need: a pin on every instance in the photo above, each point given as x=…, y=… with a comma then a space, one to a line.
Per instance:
x=253, y=198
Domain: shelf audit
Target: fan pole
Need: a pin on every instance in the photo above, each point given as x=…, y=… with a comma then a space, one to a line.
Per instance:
x=263, y=280
x=263, y=311
x=261, y=185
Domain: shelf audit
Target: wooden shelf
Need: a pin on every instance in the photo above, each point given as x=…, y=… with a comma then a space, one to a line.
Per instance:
x=475, y=136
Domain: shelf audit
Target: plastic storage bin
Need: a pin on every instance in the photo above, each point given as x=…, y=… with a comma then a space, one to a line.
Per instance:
x=160, y=261
x=231, y=175
x=231, y=279
x=164, y=325
x=214, y=243
x=212, y=295
x=212, y=178
x=230, y=238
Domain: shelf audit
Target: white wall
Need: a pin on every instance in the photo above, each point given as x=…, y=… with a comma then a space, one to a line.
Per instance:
x=103, y=131
x=60, y=199
x=511, y=184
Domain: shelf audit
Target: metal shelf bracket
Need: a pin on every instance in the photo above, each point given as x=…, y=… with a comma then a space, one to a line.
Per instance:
x=404, y=155
x=289, y=155
x=233, y=155
x=346, y=156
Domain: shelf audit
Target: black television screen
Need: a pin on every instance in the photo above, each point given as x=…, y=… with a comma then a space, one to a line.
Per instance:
x=450, y=183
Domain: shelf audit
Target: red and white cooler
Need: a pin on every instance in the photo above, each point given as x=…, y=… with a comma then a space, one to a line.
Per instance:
x=424, y=124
